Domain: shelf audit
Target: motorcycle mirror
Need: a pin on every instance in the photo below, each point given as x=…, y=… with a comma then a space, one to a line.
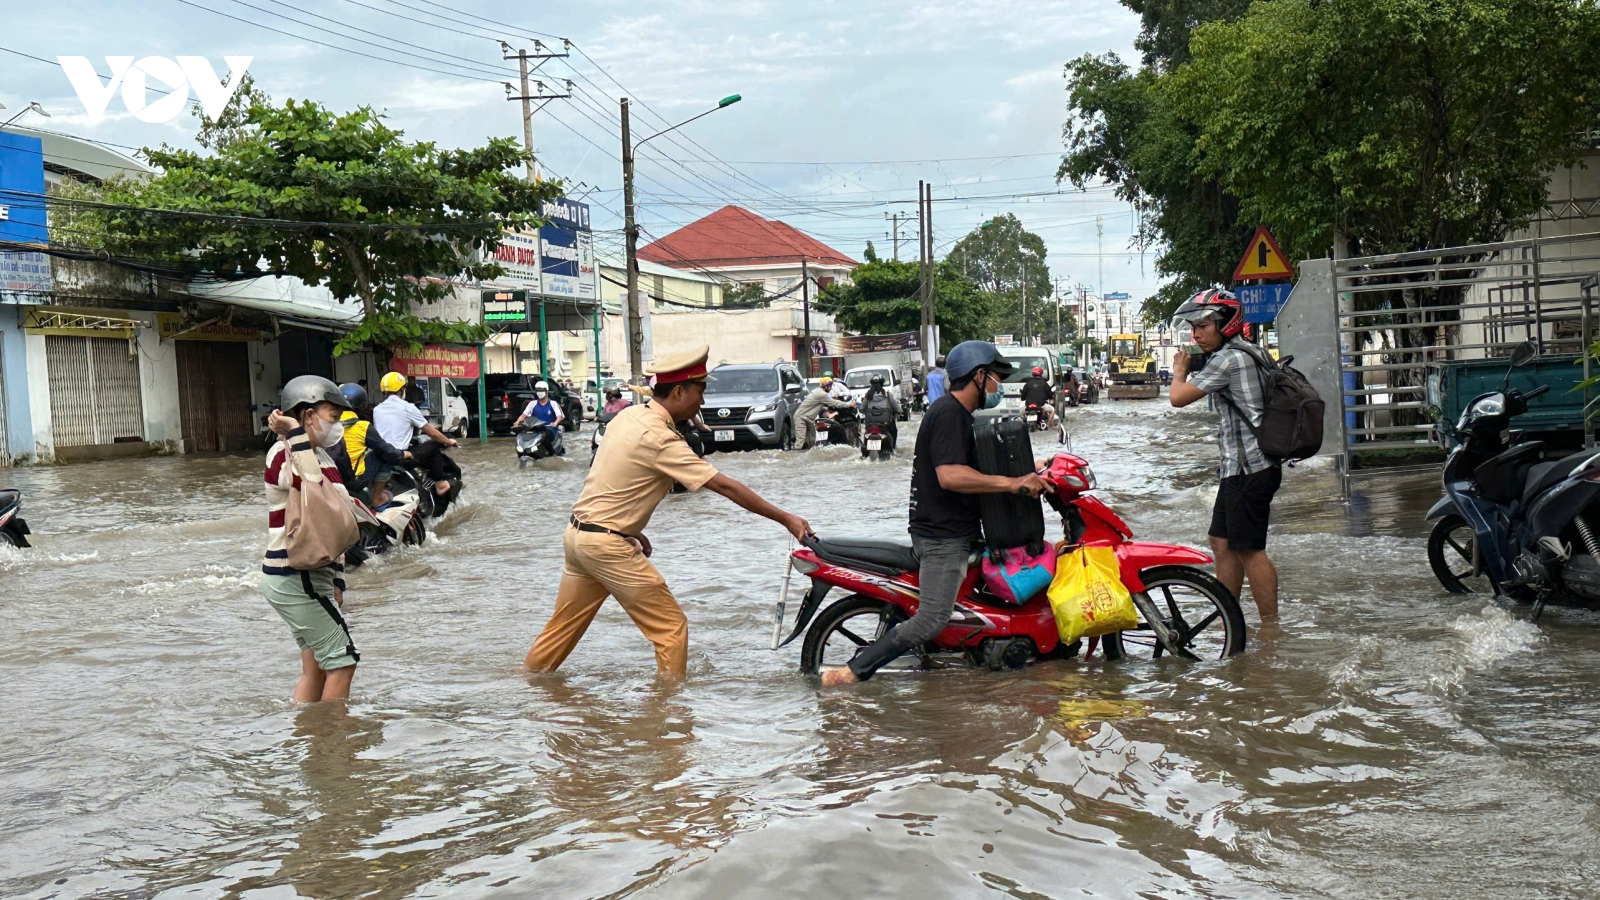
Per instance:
x=1525, y=352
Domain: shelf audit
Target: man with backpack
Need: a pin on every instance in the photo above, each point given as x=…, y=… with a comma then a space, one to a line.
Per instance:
x=880, y=408
x=1238, y=377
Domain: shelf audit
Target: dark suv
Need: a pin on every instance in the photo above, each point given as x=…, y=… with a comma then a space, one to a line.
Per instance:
x=751, y=407
x=509, y=394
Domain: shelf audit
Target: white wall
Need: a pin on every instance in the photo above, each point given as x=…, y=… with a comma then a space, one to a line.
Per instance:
x=44, y=442
x=158, y=385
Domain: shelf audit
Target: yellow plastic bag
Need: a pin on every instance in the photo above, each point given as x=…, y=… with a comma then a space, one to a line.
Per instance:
x=1088, y=597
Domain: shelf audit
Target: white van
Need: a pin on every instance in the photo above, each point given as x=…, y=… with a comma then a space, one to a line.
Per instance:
x=859, y=379
x=439, y=400
x=1024, y=359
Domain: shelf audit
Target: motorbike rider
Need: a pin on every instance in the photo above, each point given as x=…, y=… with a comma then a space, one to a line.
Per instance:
x=1249, y=479
x=397, y=421
x=945, y=525
x=615, y=402
x=1036, y=393
x=875, y=390
x=547, y=413
x=820, y=398
x=361, y=441
x=1069, y=387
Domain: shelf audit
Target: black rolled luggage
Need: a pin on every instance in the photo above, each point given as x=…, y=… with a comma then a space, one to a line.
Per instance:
x=1009, y=520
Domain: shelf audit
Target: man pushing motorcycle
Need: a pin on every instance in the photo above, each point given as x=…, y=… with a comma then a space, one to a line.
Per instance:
x=945, y=482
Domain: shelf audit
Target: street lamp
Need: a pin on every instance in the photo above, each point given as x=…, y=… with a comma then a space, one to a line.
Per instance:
x=631, y=231
x=32, y=107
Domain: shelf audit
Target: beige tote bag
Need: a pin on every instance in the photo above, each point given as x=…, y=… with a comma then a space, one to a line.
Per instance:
x=320, y=522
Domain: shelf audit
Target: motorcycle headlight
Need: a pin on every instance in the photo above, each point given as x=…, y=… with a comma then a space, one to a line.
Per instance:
x=1492, y=405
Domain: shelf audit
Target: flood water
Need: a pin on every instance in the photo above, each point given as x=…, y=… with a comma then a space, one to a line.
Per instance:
x=1386, y=740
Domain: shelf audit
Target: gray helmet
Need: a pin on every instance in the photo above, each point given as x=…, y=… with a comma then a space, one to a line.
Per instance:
x=969, y=356
x=310, y=389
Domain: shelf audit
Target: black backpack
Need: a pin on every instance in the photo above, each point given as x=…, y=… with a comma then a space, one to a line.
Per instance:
x=1291, y=420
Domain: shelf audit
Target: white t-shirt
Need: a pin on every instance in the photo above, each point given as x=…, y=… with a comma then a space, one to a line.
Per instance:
x=397, y=421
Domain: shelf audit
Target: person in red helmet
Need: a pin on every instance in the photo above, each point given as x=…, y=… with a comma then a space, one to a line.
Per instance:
x=1036, y=393
x=1249, y=479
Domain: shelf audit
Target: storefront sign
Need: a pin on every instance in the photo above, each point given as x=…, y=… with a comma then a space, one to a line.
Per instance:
x=437, y=361
x=518, y=255
x=876, y=343
x=171, y=326
x=25, y=273
x=505, y=307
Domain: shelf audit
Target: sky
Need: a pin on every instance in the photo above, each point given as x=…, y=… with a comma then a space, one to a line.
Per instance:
x=845, y=105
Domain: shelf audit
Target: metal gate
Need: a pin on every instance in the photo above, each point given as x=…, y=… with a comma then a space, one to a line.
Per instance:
x=5, y=451
x=94, y=390
x=214, y=395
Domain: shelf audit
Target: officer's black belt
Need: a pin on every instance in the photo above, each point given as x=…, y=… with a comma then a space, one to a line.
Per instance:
x=599, y=529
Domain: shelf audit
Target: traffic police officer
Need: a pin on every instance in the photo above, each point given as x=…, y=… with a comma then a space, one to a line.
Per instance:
x=606, y=550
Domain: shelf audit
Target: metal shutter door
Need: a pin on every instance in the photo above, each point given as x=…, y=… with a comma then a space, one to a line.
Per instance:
x=119, y=410
x=5, y=452
x=71, y=390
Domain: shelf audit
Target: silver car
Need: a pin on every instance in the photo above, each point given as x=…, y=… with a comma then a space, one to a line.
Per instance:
x=752, y=406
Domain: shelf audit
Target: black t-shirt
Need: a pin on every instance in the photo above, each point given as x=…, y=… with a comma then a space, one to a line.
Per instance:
x=945, y=439
x=1035, y=391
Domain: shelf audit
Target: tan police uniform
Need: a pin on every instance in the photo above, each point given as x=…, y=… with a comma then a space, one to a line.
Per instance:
x=634, y=468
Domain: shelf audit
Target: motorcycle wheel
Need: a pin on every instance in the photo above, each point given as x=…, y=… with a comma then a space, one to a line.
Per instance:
x=845, y=627
x=6, y=539
x=1450, y=549
x=1194, y=600
x=416, y=531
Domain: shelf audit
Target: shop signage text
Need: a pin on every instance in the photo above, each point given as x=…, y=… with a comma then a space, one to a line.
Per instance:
x=437, y=361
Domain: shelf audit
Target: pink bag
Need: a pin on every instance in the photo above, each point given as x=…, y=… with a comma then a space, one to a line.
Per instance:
x=1018, y=575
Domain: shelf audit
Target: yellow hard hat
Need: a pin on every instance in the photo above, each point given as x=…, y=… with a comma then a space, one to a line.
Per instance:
x=826, y=379
x=392, y=383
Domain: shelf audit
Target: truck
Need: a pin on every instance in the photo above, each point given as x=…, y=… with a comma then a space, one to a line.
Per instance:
x=898, y=368
x=1131, y=370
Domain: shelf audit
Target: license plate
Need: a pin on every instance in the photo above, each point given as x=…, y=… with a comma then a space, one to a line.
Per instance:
x=721, y=436
x=874, y=443
x=822, y=436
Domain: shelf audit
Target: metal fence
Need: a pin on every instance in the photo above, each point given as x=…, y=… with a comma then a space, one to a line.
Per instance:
x=1398, y=313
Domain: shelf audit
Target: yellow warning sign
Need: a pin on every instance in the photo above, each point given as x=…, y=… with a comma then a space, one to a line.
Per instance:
x=1262, y=259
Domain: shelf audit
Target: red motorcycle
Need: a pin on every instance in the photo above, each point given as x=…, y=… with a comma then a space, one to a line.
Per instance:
x=1183, y=610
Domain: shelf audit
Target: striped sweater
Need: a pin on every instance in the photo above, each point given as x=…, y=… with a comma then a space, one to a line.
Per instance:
x=281, y=475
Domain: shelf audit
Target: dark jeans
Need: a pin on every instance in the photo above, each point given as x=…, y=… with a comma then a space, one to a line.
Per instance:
x=944, y=566
x=429, y=458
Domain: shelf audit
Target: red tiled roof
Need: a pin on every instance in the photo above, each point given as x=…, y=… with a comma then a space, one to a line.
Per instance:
x=738, y=237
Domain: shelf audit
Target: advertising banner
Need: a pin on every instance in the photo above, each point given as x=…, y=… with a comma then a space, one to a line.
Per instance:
x=437, y=361
x=588, y=269
x=171, y=326
x=875, y=343
x=518, y=255
x=26, y=273
x=561, y=258
x=505, y=307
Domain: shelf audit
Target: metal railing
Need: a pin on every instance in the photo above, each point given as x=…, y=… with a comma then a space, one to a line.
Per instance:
x=1400, y=312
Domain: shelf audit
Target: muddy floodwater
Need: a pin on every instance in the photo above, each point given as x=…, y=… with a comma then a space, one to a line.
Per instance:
x=1386, y=740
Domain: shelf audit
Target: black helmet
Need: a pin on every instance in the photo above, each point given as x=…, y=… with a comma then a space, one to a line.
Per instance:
x=355, y=393
x=876, y=381
x=970, y=356
x=309, y=390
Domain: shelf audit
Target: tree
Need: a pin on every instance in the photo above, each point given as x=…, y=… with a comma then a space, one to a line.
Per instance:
x=884, y=297
x=340, y=200
x=1008, y=262
x=1409, y=124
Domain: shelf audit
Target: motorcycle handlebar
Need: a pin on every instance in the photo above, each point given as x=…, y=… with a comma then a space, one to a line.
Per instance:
x=1541, y=389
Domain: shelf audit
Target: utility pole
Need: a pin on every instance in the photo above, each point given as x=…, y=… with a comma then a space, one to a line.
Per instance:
x=805, y=301
x=630, y=232
x=922, y=271
x=522, y=57
x=1099, y=252
x=894, y=233
x=1027, y=329
x=929, y=313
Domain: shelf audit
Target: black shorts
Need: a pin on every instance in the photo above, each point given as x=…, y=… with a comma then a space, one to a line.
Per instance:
x=1243, y=504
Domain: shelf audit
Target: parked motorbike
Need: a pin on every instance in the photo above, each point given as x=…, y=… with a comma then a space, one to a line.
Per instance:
x=1525, y=524
x=536, y=442
x=1184, y=610
x=13, y=530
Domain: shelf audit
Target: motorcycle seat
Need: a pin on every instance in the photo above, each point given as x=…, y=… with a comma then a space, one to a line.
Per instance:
x=1545, y=475
x=890, y=557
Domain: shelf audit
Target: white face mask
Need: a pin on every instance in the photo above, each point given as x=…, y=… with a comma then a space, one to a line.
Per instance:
x=541, y=394
x=328, y=433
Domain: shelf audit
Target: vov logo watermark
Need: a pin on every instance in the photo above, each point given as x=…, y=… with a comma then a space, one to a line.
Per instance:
x=188, y=72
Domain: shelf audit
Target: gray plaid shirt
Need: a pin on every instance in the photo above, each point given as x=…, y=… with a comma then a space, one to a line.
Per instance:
x=1231, y=371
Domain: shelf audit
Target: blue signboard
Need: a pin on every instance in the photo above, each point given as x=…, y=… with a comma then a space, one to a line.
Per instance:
x=566, y=250
x=1261, y=302
x=22, y=216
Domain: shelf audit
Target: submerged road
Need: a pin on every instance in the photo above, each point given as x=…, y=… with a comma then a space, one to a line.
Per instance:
x=1385, y=740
